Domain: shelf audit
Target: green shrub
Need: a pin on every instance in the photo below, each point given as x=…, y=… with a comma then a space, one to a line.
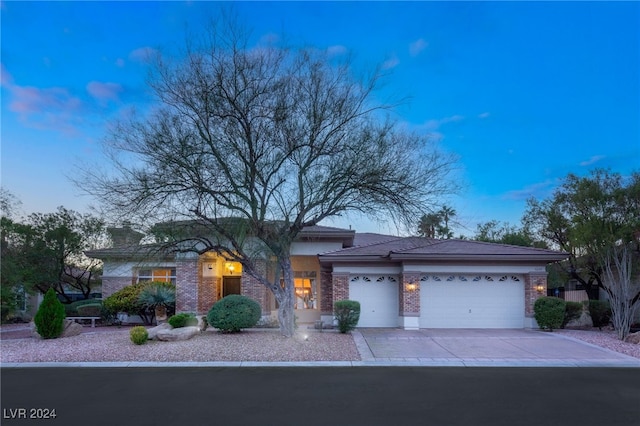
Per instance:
x=49, y=319
x=572, y=311
x=347, y=312
x=71, y=309
x=600, y=312
x=549, y=312
x=139, y=335
x=90, y=310
x=158, y=293
x=183, y=320
x=233, y=313
x=125, y=300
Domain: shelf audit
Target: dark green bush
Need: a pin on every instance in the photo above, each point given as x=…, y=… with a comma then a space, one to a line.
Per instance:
x=233, y=313
x=49, y=319
x=549, y=312
x=183, y=320
x=600, y=312
x=347, y=312
x=139, y=335
x=71, y=309
x=127, y=300
x=572, y=311
x=90, y=310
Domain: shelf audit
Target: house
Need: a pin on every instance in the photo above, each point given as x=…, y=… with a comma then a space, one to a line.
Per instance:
x=408, y=282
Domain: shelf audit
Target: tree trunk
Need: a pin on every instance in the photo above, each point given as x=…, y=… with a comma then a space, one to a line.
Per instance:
x=286, y=313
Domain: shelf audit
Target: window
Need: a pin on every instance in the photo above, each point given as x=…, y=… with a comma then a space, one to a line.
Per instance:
x=305, y=289
x=160, y=274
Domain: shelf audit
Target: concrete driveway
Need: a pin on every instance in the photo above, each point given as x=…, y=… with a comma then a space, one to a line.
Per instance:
x=482, y=347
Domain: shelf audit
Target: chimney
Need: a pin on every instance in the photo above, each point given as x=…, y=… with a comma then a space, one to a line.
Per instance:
x=125, y=236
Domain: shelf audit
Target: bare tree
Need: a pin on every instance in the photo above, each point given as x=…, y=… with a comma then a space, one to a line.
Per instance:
x=620, y=287
x=276, y=138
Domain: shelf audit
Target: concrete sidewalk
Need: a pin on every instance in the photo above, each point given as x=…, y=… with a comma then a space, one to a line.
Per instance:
x=482, y=347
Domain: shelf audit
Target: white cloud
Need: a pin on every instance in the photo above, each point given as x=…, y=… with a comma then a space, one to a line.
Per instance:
x=436, y=123
x=536, y=190
x=143, y=54
x=417, y=46
x=392, y=62
x=104, y=92
x=336, y=50
x=484, y=115
x=592, y=160
x=120, y=62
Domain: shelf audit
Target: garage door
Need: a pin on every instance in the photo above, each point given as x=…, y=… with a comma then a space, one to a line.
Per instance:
x=482, y=301
x=378, y=297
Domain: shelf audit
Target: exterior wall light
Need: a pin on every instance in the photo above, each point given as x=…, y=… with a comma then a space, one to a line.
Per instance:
x=411, y=287
x=540, y=288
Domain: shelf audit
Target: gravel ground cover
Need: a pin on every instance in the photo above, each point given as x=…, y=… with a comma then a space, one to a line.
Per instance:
x=605, y=339
x=113, y=344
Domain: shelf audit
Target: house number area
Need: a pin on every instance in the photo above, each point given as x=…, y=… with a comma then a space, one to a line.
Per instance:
x=29, y=413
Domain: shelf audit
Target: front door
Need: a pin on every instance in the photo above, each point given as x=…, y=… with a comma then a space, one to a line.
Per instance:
x=230, y=285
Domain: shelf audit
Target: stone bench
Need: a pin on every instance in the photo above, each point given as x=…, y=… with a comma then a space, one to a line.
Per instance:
x=93, y=319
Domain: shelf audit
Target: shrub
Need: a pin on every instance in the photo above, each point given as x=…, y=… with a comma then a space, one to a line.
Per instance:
x=49, y=319
x=572, y=311
x=347, y=312
x=183, y=320
x=600, y=312
x=71, y=309
x=139, y=335
x=126, y=300
x=233, y=313
x=549, y=312
x=90, y=310
x=158, y=294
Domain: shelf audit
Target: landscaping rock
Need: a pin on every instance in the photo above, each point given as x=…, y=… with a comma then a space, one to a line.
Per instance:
x=71, y=328
x=153, y=332
x=584, y=321
x=633, y=338
x=175, y=334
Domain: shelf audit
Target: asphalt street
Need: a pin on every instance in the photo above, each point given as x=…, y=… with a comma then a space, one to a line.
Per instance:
x=447, y=396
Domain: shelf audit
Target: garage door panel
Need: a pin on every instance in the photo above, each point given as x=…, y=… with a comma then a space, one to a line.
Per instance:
x=378, y=302
x=458, y=302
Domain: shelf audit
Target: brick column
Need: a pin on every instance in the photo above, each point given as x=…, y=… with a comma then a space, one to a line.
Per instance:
x=340, y=287
x=531, y=294
x=409, y=293
x=326, y=293
x=254, y=289
x=187, y=284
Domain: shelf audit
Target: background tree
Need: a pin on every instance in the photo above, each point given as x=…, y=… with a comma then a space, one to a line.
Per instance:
x=277, y=138
x=505, y=233
x=622, y=284
x=46, y=250
x=587, y=217
x=436, y=225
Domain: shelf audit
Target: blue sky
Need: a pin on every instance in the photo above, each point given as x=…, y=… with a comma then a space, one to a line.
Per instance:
x=523, y=93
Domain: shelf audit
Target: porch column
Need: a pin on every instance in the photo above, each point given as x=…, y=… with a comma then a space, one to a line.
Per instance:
x=339, y=291
x=409, y=293
x=187, y=283
x=207, y=285
x=326, y=296
x=535, y=287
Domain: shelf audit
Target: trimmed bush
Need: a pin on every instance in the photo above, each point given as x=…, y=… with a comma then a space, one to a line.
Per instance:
x=549, y=312
x=183, y=320
x=600, y=312
x=233, y=313
x=139, y=335
x=90, y=310
x=49, y=319
x=71, y=309
x=125, y=300
x=347, y=312
x=572, y=311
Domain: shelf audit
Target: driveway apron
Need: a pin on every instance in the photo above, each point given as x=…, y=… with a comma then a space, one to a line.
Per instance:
x=478, y=347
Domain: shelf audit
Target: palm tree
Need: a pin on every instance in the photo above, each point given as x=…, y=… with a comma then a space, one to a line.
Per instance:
x=158, y=296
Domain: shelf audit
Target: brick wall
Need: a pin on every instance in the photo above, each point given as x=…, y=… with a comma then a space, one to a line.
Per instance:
x=112, y=284
x=186, y=285
x=410, y=297
x=531, y=294
x=326, y=292
x=254, y=289
x=340, y=287
x=207, y=293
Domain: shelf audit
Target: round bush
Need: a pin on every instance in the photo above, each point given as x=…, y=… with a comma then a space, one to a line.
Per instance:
x=49, y=319
x=183, y=320
x=139, y=335
x=233, y=313
x=549, y=312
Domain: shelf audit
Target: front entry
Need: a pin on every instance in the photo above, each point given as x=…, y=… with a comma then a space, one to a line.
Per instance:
x=230, y=285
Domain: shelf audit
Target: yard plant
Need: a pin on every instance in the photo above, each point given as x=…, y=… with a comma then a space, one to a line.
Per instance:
x=347, y=313
x=549, y=312
x=233, y=313
x=183, y=320
x=49, y=319
x=139, y=335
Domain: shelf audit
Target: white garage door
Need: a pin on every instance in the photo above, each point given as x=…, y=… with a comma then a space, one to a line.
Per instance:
x=478, y=301
x=378, y=297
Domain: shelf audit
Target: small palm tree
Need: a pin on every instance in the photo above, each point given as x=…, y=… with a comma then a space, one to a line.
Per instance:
x=158, y=296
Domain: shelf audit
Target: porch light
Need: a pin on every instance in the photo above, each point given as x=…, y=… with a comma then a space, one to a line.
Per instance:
x=230, y=267
x=540, y=288
x=411, y=287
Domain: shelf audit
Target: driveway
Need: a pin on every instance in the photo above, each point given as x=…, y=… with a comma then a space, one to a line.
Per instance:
x=482, y=347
